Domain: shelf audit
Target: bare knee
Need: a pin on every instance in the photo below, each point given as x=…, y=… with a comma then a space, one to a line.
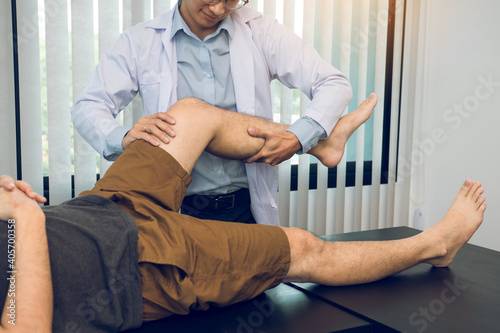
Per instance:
x=189, y=106
x=192, y=114
x=305, y=251
x=188, y=102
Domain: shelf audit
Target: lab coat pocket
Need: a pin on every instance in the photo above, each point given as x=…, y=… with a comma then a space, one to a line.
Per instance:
x=149, y=88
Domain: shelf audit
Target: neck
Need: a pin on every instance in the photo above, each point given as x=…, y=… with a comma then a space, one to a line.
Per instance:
x=198, y=29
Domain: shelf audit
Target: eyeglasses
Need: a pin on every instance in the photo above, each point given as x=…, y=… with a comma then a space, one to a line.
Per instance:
x=229, y=4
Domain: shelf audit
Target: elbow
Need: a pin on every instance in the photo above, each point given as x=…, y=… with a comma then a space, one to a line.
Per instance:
x=342, y=87
x=346, y=88
x=348, y=92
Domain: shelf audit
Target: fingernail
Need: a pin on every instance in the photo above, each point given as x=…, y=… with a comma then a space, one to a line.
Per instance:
x=251, y=130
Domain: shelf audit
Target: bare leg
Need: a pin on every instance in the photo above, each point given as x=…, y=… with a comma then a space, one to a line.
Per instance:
x=200, y=126
x=342, y=263
x=224, y=133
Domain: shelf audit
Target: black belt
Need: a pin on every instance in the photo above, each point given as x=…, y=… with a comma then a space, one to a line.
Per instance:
x=220, y=202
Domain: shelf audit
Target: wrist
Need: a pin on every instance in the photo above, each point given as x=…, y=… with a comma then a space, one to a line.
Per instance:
x=29, y=212
x=296, y=145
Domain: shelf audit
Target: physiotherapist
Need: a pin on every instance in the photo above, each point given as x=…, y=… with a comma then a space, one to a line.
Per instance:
x=226, y=55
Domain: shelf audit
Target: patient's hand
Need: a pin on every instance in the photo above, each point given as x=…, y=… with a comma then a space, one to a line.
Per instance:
x=9, y=184
x=16, y=197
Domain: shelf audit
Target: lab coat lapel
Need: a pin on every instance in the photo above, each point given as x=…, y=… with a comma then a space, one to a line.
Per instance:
x=242, y=68
x=168, y=80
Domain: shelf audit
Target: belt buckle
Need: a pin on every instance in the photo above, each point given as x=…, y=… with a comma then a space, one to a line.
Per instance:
x=224, y=202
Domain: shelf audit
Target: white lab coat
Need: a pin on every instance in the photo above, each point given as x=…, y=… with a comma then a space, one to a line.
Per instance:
x=144, y=60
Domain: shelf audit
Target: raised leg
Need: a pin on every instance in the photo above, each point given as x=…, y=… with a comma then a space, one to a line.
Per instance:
x=200, y=126
x=344, y=263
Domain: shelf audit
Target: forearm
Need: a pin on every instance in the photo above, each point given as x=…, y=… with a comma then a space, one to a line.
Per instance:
x=330, y=99
x=98, y=126
x=112, y=87
x=29, y=303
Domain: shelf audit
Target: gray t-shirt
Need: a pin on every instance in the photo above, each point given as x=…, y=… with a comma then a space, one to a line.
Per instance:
x=93, y=258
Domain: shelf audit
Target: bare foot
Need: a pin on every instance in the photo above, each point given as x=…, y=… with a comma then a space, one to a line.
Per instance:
x=459, y=223
x=331, y=150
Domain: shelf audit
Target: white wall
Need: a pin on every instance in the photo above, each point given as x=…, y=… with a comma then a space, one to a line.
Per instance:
x=463, y=52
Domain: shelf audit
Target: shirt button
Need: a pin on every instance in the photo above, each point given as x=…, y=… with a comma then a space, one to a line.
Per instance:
x=208, y=75
x=219, y=171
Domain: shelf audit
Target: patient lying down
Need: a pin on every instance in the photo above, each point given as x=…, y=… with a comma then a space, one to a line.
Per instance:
x=120, y=254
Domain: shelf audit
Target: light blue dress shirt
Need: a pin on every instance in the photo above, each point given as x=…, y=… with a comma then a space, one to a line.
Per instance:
x=204, y=72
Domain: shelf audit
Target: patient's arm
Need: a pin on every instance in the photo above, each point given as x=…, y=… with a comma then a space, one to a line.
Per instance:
x=31, y=291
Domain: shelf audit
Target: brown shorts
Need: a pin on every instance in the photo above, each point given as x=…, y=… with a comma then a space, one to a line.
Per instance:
x=186, y=263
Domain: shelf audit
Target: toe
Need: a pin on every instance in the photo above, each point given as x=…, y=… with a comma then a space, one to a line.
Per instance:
x=466, y=187
x=370, y=102
x=477, y=193
x=473, y=189
x=373, y=99
x=476, y=190
x=480, y=201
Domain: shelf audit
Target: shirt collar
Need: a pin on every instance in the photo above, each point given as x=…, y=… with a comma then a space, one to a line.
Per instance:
x=178, y=24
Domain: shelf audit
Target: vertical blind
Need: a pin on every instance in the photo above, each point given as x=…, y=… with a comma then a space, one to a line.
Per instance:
x=58, y=46
x=8, y=162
